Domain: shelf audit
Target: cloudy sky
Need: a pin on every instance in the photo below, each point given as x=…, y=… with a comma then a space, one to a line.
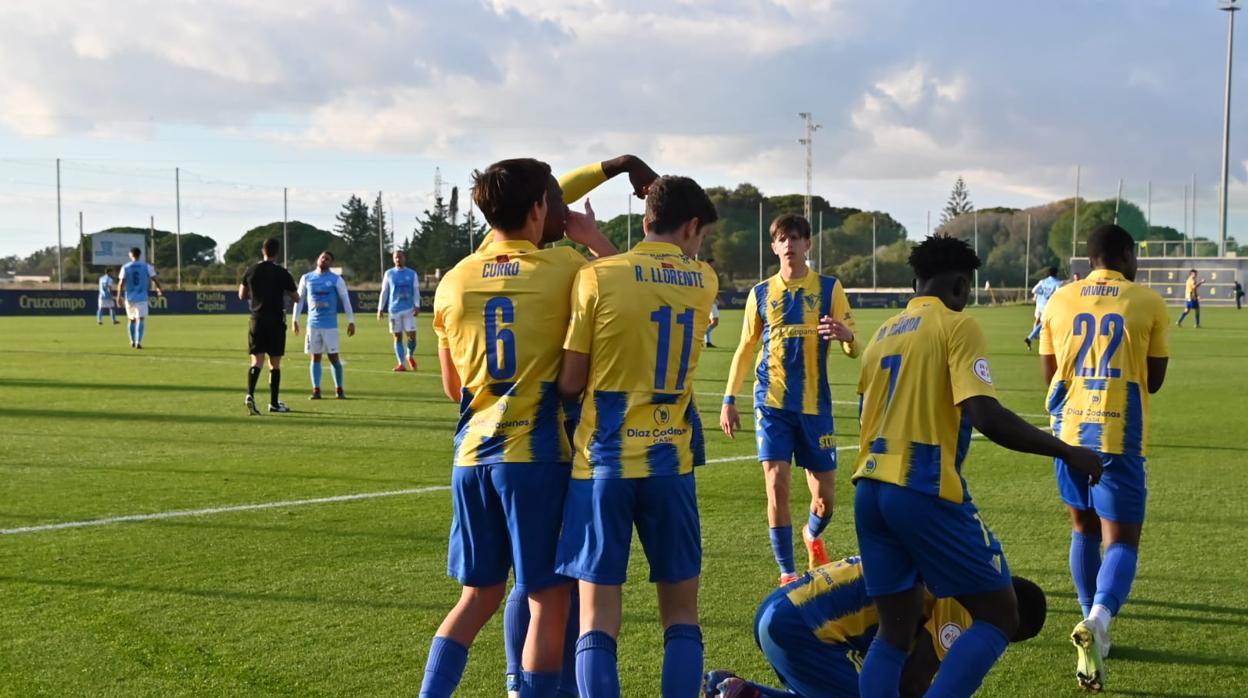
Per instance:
x=330, y=97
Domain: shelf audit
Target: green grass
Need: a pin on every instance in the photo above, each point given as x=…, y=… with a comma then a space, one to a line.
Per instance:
x=342, y=599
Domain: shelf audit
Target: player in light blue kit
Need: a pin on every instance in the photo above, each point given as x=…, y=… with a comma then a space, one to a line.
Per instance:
x=400, y=297
x=323, y=291
x=136, y=278
x=107, y=299
x=1043, y=291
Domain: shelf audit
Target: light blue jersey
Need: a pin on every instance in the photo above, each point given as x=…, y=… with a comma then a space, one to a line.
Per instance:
x=1043, y=291
x=324, y=292
x=138, y=276
x=106, y=288
x=399, y=292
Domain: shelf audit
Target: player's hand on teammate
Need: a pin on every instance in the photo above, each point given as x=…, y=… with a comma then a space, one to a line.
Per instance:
x=1085, y=461
x=729, y=420
x=350, y=329
x=830, y=328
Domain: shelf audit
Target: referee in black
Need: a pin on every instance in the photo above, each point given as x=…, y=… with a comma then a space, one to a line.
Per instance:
x=267, y=285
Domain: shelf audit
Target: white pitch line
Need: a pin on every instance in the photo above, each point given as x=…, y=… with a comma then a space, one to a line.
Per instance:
x=220, y=510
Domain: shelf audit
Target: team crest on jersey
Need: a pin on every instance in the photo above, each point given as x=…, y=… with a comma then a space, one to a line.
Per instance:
x=949, y=633
x=661, y=415
x=811, y=302
x=981, y=370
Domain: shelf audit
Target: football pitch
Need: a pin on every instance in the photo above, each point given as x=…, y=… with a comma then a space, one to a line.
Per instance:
x=341, y=596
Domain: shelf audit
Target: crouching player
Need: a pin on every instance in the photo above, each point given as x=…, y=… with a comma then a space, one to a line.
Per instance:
x=815, y=632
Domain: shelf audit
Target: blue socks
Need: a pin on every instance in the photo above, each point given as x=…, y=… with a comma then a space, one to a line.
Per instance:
x=99, y=315
x=1113, y=584
x=444, y=668
x=1085, y=564
x=398, y=351
x=515, y=627
x=881, y=670
x=682, y=660
x=597, y=673
x=816, y=524
x=537, y=684
x=316, y=375
x=411, y=347
x=142, y=326
x=1035, y=333
x=968, y=661
x=130, y=327
x=782, y=548
x=337, y=374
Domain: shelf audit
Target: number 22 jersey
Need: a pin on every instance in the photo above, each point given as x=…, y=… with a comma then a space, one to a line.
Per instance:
x=502, y=312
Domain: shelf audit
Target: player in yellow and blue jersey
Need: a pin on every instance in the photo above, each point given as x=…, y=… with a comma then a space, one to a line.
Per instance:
x=632, y=350
x=493, y=314
x=925, y=382
x=815, y=631
x=792, y=399
x=1103, y=349
x=1191, y=296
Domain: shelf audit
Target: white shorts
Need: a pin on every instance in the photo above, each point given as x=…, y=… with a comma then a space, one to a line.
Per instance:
x=403, y=322
x=1039, y=314
x=107, y=304
x=321, y=341
x=136, y=311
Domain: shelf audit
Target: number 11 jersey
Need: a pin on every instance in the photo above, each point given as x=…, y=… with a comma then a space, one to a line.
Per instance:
x=641, y=317
x=501, y=313
x=1102, y=330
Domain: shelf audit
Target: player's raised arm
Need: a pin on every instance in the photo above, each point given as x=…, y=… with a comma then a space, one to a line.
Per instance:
x=742, y=358
x=640, y=175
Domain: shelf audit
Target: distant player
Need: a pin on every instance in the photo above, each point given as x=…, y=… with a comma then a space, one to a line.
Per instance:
x=1103, y=349
x=1239, y=295
x=815, y=631
x=1191, y=293
x=1042, y=292
x=632, y=351
x=107, y=299
x=925, y=382
x=136, y=279
x=493, y=315
x=266, y=286
x=324, y=292
x=400, y=297
x=792, y=398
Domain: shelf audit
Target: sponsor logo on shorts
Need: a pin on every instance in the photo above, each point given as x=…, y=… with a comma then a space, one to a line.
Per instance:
x=827, y=442
x=949, y=633
x=981, y=370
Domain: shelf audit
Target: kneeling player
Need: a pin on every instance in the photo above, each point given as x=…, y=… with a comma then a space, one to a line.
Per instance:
x=815, y=632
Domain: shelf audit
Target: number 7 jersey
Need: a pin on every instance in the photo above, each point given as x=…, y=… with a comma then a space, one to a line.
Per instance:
x=501, y=312
x=1102, y=330
x=641, y=317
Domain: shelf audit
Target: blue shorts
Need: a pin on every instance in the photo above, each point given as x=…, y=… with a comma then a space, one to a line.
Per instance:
x=906, y=537
x=599, y=516
x=806, y=666
x=784, y=435
x=503, y=518
x=1121, y=494
x=1193, y=305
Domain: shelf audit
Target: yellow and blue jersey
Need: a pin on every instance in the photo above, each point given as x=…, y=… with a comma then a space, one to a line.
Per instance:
x=495, y=312
x=1191, y=291
x=791, y=370
x=833, y=603
x=640, y=316
x=920, y=366
x=1102, y=331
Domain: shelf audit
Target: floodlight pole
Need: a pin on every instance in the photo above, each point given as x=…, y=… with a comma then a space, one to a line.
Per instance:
x=1074, y=230
x=60, y=267
x=1027, y=258
x=177, y=198
x=1230, y=8
x=82, y=254
x=975, y=220
x=873, y=250
x=1193, y=214
x=809, y=142
x=821, y=242
x=381, y=239
x=1118, y=201
x=760, y=241
x=285, y=237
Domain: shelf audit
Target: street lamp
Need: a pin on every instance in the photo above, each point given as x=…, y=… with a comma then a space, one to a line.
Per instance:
x=1230, y=7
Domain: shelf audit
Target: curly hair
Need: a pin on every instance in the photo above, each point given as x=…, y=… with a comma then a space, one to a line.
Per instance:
x=939, y=254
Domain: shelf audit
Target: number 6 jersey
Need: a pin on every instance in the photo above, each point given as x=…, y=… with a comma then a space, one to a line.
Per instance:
x=502, y=312
x=641, y=317
x=1102, y=330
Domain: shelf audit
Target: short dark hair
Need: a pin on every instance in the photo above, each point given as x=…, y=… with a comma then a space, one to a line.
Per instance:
x=108, y=270
x=1052, y=271
x=1109, y=242
x=136, y=252
x=673, y=201
x=506, y=190
x=1033, y=609
x=939, y=254
x=1191, y=271
x=271, y=247
x=791, y=223
x=331, y=254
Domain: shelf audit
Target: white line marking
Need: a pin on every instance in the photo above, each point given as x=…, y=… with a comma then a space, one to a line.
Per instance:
x=220, y=510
